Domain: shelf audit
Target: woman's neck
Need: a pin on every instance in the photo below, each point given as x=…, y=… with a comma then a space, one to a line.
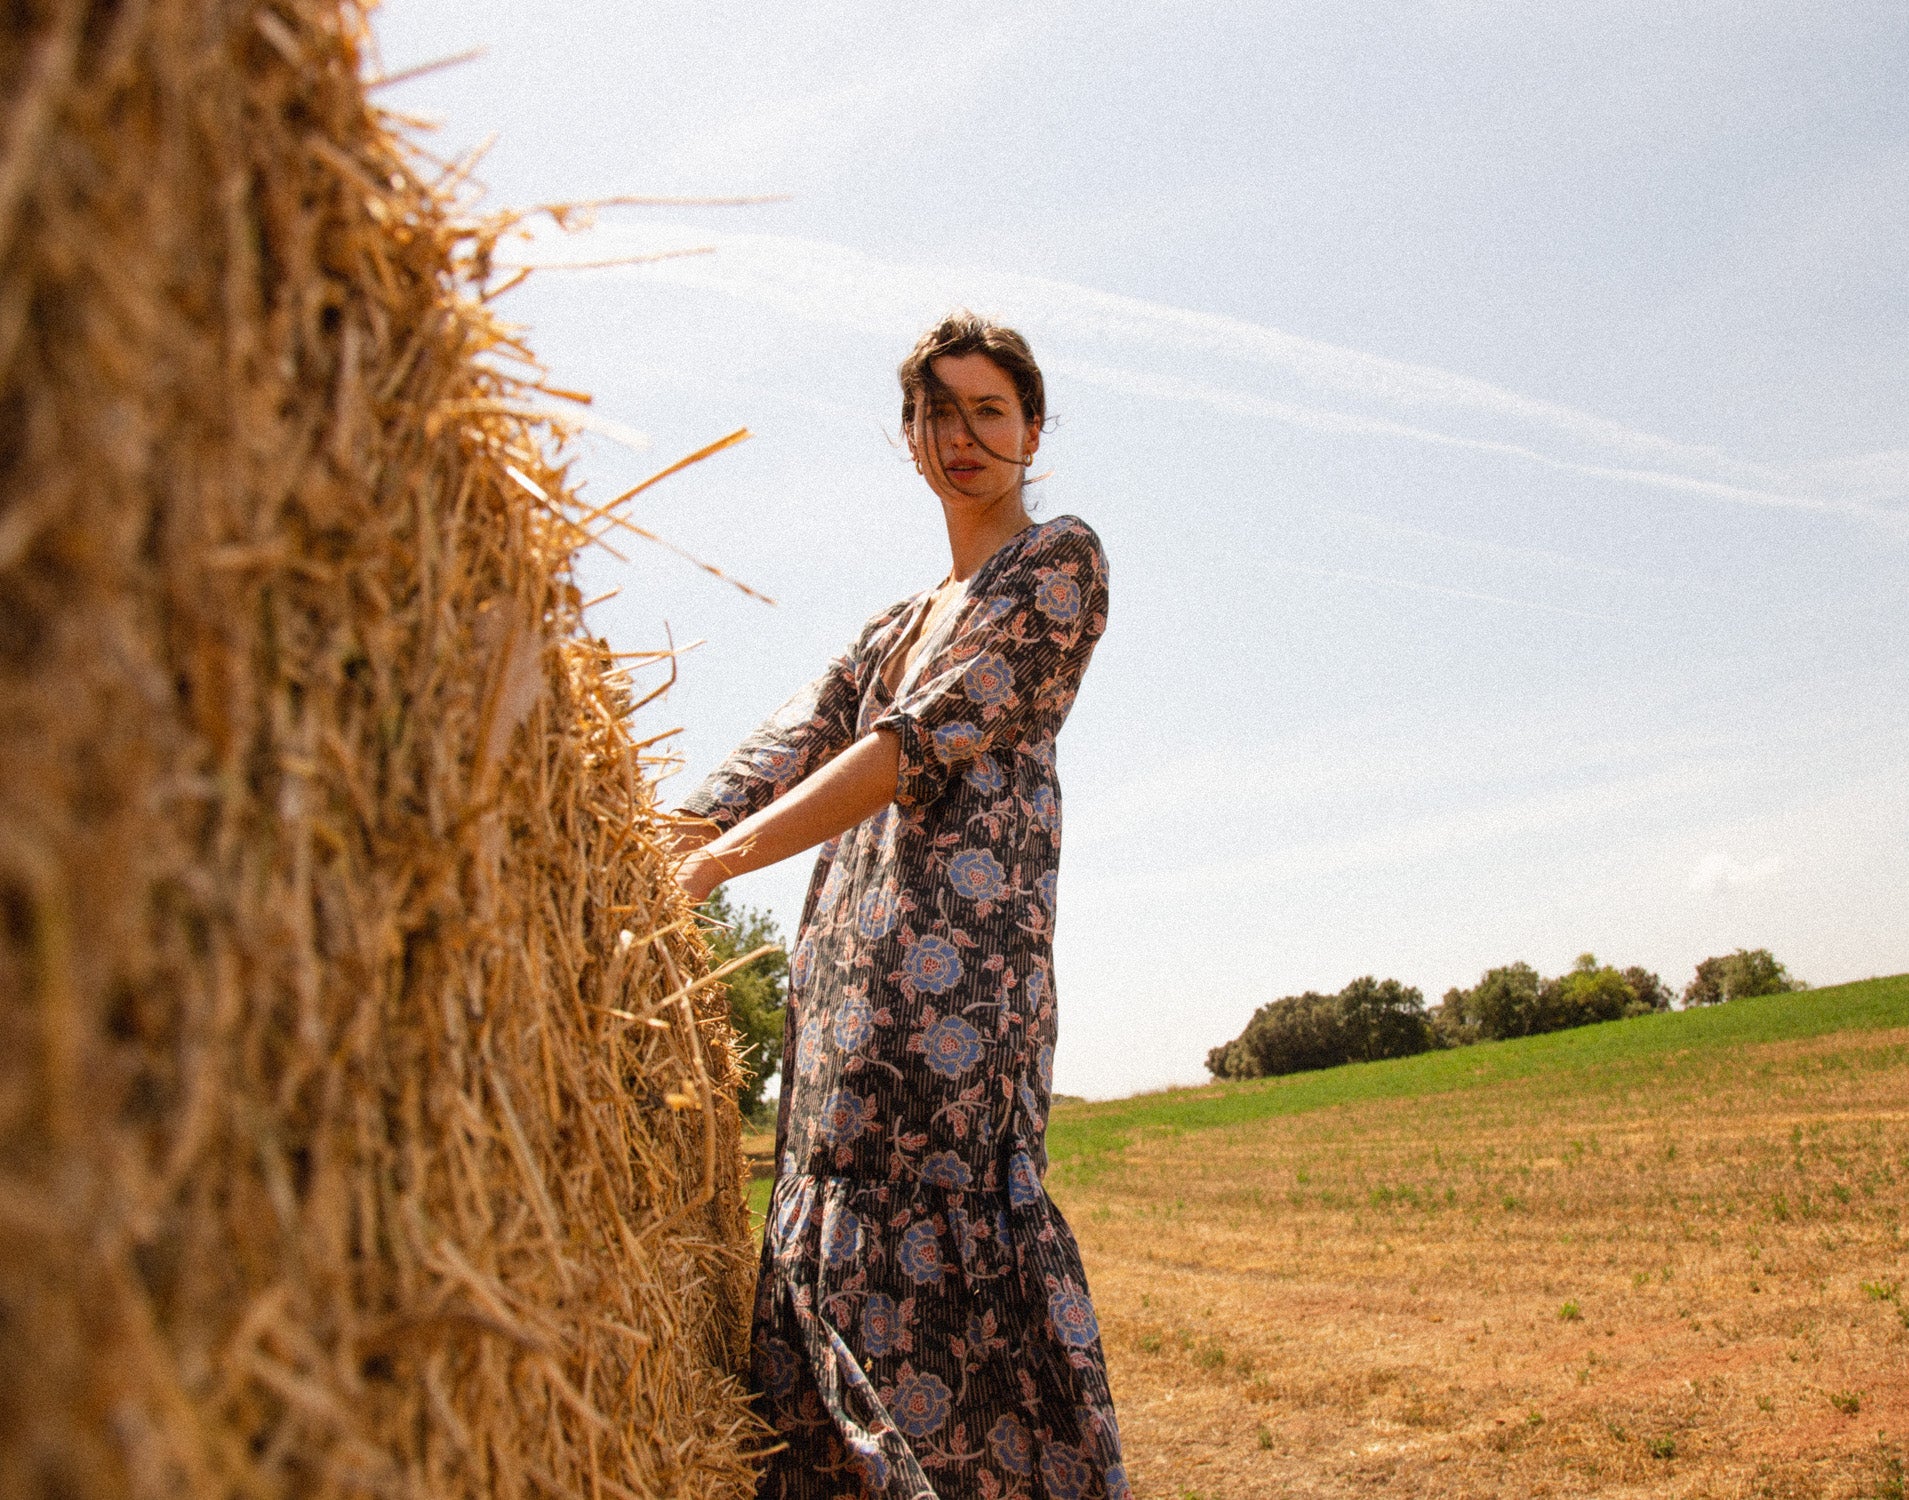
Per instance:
x=976, y=535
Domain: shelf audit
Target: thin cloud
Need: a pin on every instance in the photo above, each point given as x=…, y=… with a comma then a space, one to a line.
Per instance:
x=1402, y=530
x=1435, y=837
x=1410, y=585
x=1344, y=424
x=1869, y=476
x=1718, y=872
x=819, y=281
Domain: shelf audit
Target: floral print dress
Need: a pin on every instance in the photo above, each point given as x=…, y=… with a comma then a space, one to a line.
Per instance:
x=922, y=1323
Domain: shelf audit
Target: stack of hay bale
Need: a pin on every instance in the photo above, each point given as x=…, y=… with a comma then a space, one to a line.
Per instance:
x=365, y=1121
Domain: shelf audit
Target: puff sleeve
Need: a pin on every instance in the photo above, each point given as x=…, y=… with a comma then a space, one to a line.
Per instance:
x=1008, y=675
x=807, y=732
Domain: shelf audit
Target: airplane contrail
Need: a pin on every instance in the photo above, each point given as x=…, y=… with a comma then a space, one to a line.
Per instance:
x=820, y=281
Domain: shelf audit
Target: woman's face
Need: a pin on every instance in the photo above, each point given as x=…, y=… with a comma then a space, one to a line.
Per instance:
x=959, y=469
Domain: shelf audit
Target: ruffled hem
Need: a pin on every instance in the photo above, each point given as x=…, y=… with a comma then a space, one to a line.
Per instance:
x=922, y=1342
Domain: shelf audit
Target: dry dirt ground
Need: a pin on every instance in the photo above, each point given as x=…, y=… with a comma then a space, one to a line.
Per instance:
x=1693, y=1283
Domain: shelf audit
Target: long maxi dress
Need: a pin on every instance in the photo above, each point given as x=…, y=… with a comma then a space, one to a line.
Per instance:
x=922, y=1323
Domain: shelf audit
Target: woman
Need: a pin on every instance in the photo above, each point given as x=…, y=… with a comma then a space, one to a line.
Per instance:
x=922, y=1324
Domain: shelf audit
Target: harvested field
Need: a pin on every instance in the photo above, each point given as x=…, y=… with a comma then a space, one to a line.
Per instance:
x=1664, y=1257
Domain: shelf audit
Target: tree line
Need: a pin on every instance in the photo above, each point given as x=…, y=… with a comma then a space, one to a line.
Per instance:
x=1371, y=1019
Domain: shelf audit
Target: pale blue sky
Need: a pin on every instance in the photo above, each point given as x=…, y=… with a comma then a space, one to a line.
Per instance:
x=1497, y=418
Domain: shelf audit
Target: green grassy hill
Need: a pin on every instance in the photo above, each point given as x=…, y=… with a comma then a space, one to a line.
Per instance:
x=1673, y=1052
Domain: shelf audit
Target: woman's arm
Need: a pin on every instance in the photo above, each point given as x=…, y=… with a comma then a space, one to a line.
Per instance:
x=795, y=741
x=855, y=785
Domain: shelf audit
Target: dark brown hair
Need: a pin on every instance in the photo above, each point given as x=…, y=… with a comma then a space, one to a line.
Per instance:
x=962, y=333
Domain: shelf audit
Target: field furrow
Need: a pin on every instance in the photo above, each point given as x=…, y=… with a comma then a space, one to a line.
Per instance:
x=1666, y=1270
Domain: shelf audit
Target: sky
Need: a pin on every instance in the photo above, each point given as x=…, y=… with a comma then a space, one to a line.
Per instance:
x=1497, y=419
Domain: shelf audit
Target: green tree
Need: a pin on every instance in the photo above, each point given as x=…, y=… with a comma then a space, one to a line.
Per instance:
x=1738, y=976
x=1293, y=1034
x=1506, y=1002
x=1369, y=1019
x=1515, y=1000
x=1231, y=1060
x=758, y=992
x=1589, y=993
x=1648, y=992
x=1382, y=1018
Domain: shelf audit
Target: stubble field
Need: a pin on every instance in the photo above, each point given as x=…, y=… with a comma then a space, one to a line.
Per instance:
x=1660, y=1257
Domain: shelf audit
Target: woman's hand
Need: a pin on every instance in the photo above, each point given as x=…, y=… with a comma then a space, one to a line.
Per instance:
x=857, y=784
x=687, y=834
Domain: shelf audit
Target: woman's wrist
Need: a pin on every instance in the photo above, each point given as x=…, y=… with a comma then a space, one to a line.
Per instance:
x=698, y=875
x=855, y=785
x=686, y=834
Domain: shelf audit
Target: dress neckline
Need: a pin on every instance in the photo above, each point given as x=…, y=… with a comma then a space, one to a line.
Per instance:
x=919, y=602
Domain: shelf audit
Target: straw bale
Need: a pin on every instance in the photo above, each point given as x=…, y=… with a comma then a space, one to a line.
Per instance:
x=364, y=1127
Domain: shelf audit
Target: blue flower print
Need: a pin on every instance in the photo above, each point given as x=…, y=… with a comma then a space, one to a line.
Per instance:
x=791, y=1214
x=993, y=610
x=1024, y=1187
x=921, y=1403
x=1036, y=988
x=1012, y=1445
x=988, y=681
x=875, y=917
x=967, y=1236
x=844, y=1117
x=945, y=1170
x=1117, y=1486
x=920, y=1254
x=841, y=1237
x=1032, y=1104
x=985, y=775
x=952, y=1046
x=832, y=887
x=1065, y=1472
x=881, y=1327
x=1047, y=887
x=1047, y=811
x=776, y=1366
x=956, y=742
x=731, y=796
x=1072, y=1318
x=977, y=874
x=932, y=965
x=853, y=1023
x=1058, y=597
x=802, y=963
x=774, y=763
x=808, y=1051
x=1044, y=1060
x=869, y=1463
